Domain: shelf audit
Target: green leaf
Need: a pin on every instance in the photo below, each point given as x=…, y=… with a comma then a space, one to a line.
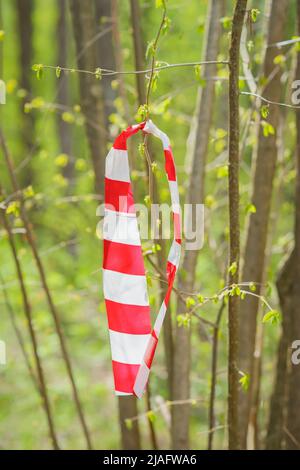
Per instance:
x=13, y=208
x=143, y=112
x=61, y=160
x=98, y=73
x=28, y=192
x=268, y=129
x=226, y=22
x=273, y=317
x=2, y=35
x=159, y=4
x=39, y=69
x=190, y=302
x=150, y=51
x=233, y=268
x=252, y=287
x=128, y=423
x=184, y=320
x=245, y=381
x=151, y=416
x=254, y=14
x=250, y=208
x=279, y=59
x=166, y=25
x=58, y=71
x=222, y=172
x=264, y=111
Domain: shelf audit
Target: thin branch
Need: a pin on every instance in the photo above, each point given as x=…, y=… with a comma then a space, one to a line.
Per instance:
x=55, y=315
x=106, y=72
x=28, y=313
x=262, y=98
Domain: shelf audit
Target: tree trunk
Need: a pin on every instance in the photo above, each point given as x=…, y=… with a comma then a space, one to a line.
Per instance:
x=106, y=53
x=293, y=412
x=264, y=169
x=181, y=363
x=84, y=26
x=234, y=222
x=130, y=434
x=25, y=30
x=64, y=130
x=276, y=424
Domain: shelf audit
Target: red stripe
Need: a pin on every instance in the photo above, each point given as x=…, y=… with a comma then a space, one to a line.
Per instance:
x=131, y=319
x=149, y=355
x=118, y=196
x=123, y=258
x=171, y=270
x=124, y=375
x=170, y=165
x=120, y=142
x=177, y=227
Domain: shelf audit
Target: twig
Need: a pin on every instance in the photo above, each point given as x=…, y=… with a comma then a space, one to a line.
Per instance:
x=106, y=72
x=52, y=308
x=262, y=98
x=12, y=317
x=28, y=314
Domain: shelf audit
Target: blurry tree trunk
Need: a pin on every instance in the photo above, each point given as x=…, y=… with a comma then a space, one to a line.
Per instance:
x=293, y=411
x=84, y=26
x=119, y=59
x=25, y=30
x=106, y=53
x=130, y=434
x=181, y=363
x=277, y=419
x=139, y=52
x=234, y=221
x=64, y=129
x=264, y=168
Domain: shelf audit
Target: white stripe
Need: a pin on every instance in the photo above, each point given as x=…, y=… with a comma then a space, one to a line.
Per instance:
x=128, y=349
x=141, y=380
x=174, y=254
x=160, y=318
x=116, y=165
x=152, y=129
x=174, y=196
x=125, y=288
x=120, y=228
x=117, y=393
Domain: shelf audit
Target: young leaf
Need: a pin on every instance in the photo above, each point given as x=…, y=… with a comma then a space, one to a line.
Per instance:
x=273, y=317
x=245, y=381
x=58, y=71
x=233, y=268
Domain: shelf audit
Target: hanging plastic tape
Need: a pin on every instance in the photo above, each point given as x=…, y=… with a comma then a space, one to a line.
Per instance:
x=133, y=342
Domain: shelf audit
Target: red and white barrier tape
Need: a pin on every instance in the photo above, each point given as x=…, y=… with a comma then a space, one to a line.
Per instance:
x=133, y=343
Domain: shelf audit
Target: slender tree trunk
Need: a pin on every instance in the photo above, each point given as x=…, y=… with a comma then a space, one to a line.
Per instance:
x=130, y=434
x=263, y=175
x=42, y=386
x=293, y=412
x=42, y=274
x=234, y=221
x=64, y=129
x=275, y=434
x=84, y=26
x=181, y=363
x=25, y=30
x=103, y=9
